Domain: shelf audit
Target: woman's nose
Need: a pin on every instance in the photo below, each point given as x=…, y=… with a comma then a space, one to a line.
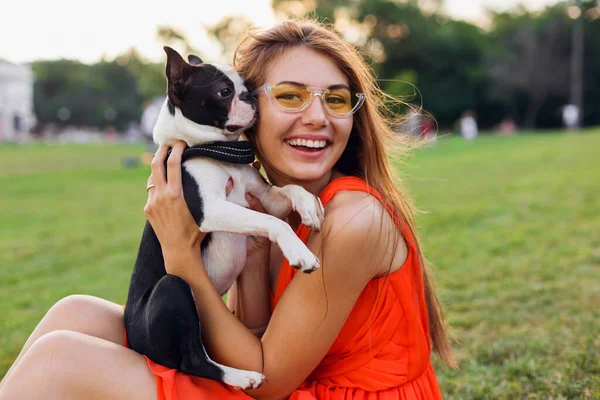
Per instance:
x=315, y=114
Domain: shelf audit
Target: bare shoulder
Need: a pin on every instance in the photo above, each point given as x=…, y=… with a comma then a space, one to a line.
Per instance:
x=358, y=225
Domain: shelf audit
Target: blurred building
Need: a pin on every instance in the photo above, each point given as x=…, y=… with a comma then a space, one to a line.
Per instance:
x=17, y=117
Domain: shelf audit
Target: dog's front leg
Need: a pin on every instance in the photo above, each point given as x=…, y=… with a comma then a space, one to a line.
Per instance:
x=223, y=216
x=280, y=201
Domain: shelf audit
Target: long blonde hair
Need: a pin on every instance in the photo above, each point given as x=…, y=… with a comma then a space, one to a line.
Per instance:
x=365, y=156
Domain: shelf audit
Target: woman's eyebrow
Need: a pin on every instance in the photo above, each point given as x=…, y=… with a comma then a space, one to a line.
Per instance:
x=291, y=83
x=337, y=86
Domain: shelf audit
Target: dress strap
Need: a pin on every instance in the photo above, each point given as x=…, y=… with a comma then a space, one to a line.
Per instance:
x=346, y=183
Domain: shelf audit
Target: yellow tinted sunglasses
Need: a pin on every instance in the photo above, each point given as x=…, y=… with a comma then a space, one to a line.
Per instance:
x=338, y=100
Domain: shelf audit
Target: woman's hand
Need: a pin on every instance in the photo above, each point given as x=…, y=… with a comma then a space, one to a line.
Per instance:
x=166, y=208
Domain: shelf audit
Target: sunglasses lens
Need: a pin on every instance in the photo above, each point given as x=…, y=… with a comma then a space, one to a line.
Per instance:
x=290, y=97
x=339, y=101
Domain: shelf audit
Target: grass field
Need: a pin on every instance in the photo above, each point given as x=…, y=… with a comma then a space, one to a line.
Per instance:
x=512, y=225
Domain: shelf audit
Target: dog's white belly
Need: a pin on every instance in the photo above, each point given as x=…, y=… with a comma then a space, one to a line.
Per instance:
x=224, y=258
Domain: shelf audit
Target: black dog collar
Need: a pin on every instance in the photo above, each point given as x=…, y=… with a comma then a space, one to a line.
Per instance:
x=230, y=152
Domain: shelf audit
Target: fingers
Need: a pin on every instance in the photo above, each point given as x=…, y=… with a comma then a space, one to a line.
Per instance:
x=150, y=183
x=255, y=204
x=158, y=167
x=174, y=167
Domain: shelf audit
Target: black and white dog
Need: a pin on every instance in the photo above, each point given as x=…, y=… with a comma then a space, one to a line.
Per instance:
x=209, y=107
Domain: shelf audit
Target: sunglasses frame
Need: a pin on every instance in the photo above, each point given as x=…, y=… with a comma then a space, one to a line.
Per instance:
x=321, y=91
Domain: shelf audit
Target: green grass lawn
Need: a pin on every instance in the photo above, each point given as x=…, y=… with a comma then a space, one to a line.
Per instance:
x=511, y=224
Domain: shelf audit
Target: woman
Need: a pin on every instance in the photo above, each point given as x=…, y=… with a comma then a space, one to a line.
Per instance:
x=359, y=327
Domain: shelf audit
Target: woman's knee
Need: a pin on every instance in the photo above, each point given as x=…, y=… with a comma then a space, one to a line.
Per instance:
x=79, y=365
x=89, y=315
x=73, y=304
x=49, y=359
x=55, y=346
x=51, y=356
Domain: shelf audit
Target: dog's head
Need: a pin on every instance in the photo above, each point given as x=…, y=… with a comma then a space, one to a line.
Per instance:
x=208, y=95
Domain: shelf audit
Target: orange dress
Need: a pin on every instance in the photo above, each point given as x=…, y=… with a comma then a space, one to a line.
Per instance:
x=382, y=351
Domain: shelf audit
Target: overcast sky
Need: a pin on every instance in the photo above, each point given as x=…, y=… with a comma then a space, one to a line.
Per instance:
x=34, y=29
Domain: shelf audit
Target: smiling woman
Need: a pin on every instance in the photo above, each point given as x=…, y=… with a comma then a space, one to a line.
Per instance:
x=361, y=326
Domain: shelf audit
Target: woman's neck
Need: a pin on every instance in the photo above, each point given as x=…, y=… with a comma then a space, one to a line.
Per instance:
x=314, y=186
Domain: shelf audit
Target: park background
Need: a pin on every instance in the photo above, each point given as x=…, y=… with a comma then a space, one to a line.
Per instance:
x=510, y=220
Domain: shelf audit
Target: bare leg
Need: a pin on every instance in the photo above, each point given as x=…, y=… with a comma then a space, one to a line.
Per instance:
x=85, y=314
x=70, y=365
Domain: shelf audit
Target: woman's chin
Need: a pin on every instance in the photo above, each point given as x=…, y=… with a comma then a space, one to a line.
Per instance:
x=309, y=173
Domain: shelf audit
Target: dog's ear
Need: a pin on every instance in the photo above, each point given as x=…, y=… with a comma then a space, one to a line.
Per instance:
x=176, y=72
x=194, y=60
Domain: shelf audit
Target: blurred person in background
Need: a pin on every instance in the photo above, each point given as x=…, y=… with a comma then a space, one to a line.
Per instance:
x=570, y=116
x=428, y=130
x=506, y=127
x=412, y=123
x=362, y=326
x=468, y=125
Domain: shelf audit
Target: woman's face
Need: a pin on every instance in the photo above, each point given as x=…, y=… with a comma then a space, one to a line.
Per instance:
x=279, y=133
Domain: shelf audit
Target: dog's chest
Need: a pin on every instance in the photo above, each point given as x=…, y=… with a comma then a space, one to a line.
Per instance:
x=212, y=177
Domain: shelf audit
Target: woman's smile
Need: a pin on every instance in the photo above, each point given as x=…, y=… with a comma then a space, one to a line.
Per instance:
x=308, y=146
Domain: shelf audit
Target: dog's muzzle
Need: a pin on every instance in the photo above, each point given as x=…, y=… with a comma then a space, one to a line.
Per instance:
x=242, y=113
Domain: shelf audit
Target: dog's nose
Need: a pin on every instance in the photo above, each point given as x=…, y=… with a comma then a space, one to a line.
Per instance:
x=245, y=96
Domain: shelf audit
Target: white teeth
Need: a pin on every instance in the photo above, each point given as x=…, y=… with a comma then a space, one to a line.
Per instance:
x=315, y=144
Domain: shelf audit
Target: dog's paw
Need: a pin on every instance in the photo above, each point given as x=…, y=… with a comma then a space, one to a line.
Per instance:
x=308, y=206
x=298, y=255
x=243, y=380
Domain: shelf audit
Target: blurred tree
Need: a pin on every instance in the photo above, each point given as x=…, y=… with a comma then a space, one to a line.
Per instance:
x=100, y=95
x=327, y=9
x=530, y=62
x=150, y=76
x=532, y=57
x=228, y=31
x=108, y=93
x=591, y=62
x=170, y=36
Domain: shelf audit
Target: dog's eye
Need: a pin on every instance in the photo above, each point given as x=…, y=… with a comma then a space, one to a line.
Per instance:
x=224, y=93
